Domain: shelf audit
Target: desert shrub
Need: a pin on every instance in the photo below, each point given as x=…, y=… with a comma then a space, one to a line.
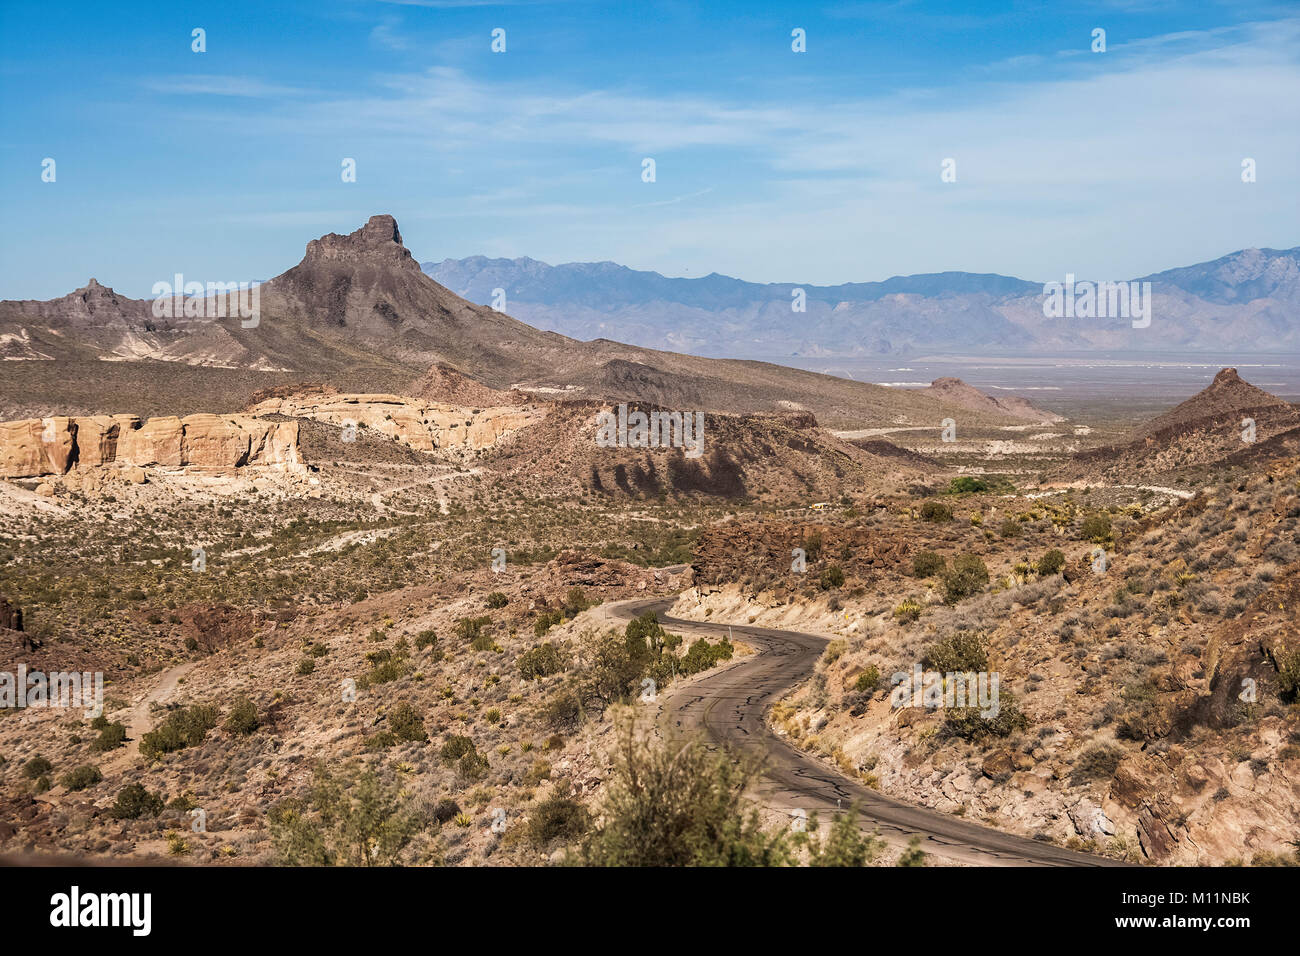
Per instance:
x=407, y=723
x=79, y=778
x=1051, y=563
x=473, y=630
x=845, y=843
x=680, y=804
x=575, y=602
x=563, y=709
x=306, y=666
x=927, y=564
x=539, y=771
x=426, y=638
x=703, y=655
x=455, y=747
x=497, y=600
x=831, y=577
x=969, y=723
x=472, y=766
x=558, y=817
x=1288, y=673
x=935, y=511
x=957, y=653
x=547, y=620
x=134, y=801
x=182, y=727
x=38, y=766
x=868, y=680
x=242, y=718
x=1098, y=763
x=111, y=736
x=968, y=576
x=812, y=545
x=1010, y=528
x=540, y=661
x=909, y=610
x=1096, y=528
x=350, y=818
x=388, y=667
x=967, y=485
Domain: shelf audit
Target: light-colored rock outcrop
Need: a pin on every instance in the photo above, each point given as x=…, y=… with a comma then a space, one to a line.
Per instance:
x=34, y=448
x=423, y=426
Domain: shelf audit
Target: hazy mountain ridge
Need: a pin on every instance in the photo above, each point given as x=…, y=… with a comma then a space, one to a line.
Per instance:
x=1249, y=296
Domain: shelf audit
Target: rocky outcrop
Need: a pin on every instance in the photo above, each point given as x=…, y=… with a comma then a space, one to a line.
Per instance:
x=423, y=426
x=34, y=447
x=957, y=392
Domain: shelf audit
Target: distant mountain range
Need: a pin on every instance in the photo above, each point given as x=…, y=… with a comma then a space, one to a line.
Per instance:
x=357, y=313
x=1246, y=301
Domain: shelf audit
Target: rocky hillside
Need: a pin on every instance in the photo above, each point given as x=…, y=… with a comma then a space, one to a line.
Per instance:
x=1228, y=422
x=957, y=392
x=1147, y=705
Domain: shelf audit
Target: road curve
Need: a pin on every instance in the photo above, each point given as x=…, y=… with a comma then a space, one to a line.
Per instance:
x=729, y=706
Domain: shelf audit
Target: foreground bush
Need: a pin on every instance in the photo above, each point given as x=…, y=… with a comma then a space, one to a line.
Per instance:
x=182, y=727
x=968, y=576
x=680, y=804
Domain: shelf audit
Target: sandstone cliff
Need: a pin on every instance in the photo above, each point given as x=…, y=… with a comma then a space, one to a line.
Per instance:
x=35, y=447
x=423, y=426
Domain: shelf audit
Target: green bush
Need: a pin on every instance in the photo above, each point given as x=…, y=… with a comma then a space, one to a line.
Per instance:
x=1096, y=528
x=540, y=661
x=111, y=736
x=969, y=724
x=1010, y=528
x=455, y=747
x=242, y=718
x=703, y=655
x=957, y=653
x=306, y=666
x=497, y=600
x=428, y=638
x=680, y=804
x=1098, y=763
x=968, y=576
x=547, y=620
x=407, y=723
x=936, y=512
x=832, y=577
x=967, y=485
x=134, y=801
x=1051, y=563
x=558, y=817
x=927, y=564
x=868, y=680
x=182, y=727
x=472, y=766
x=81, y=777
x=37, y=767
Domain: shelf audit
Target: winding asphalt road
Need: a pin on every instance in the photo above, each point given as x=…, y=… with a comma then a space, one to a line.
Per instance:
x=729, y=704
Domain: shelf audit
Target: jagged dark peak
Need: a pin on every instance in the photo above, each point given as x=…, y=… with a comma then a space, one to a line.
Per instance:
x=379, y=240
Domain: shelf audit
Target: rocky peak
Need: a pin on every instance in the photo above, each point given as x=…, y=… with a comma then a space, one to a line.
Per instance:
x=1227, y=377
x=379, y=241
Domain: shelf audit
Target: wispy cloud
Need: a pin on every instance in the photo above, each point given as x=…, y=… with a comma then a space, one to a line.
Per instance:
x=209, y=84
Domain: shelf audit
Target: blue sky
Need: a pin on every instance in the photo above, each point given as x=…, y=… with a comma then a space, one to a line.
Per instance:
x=817, y=167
